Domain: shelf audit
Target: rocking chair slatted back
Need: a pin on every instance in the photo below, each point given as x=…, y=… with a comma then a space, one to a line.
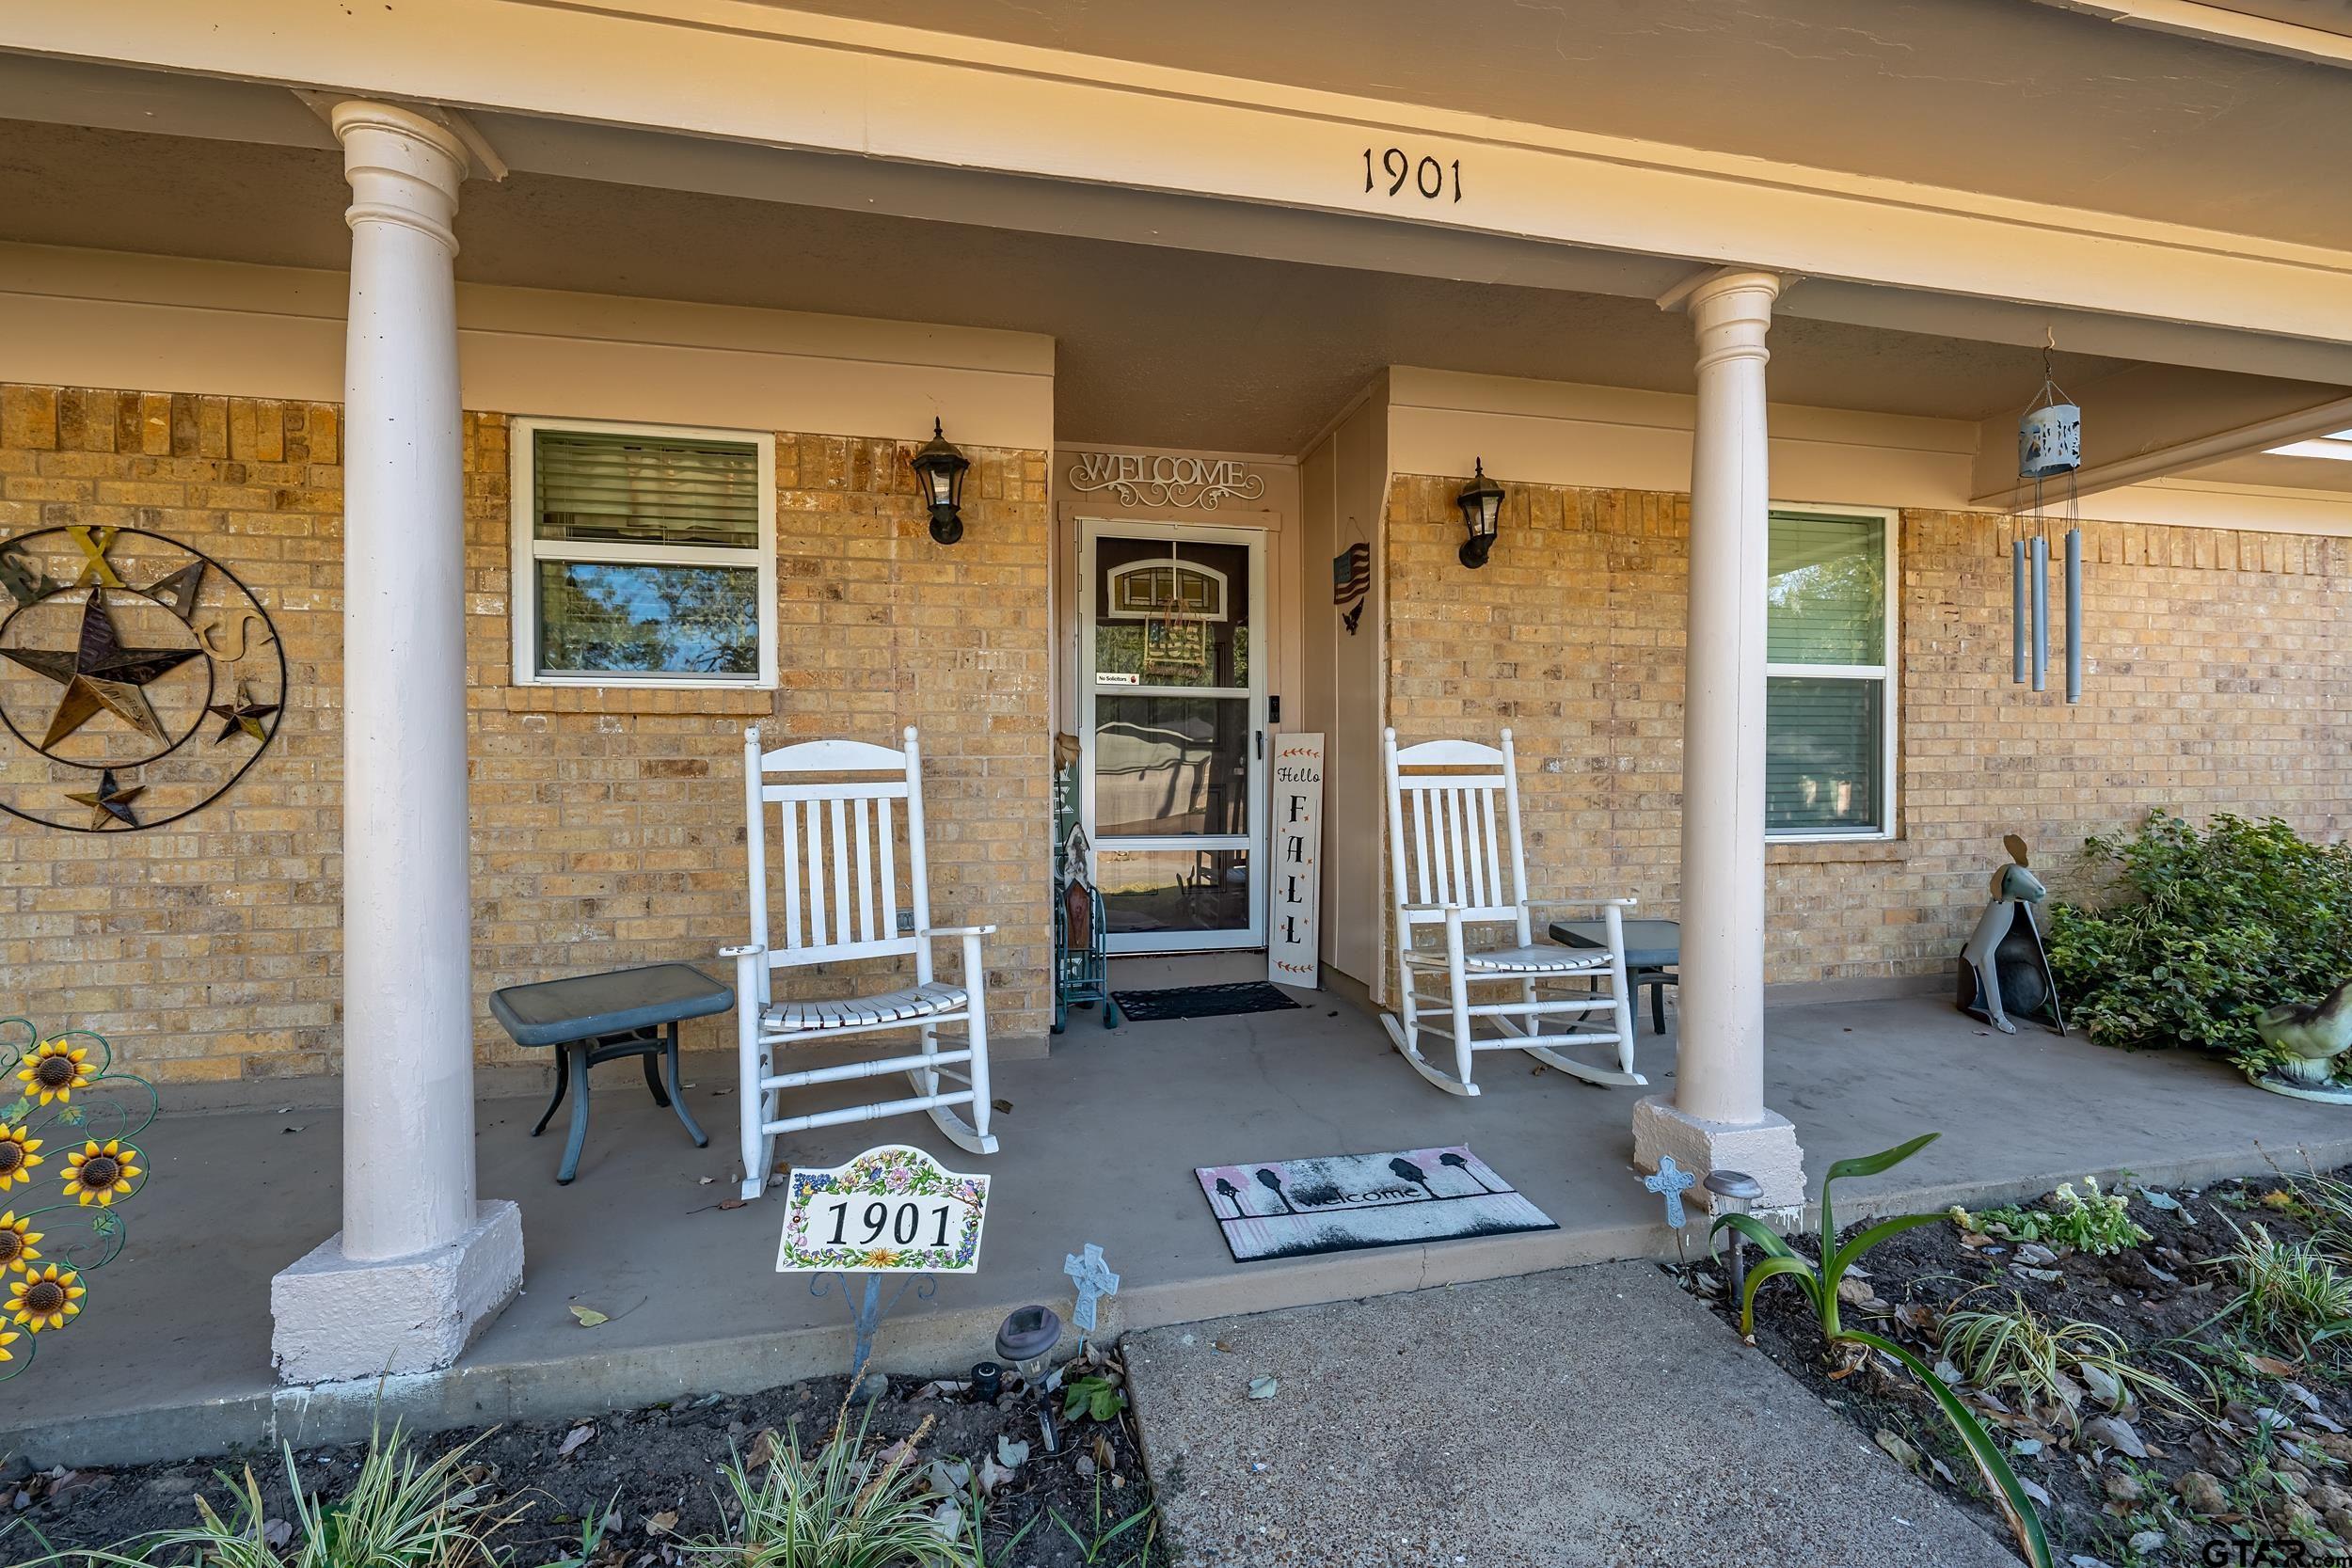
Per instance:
x=837, y=850
x=1453, y=852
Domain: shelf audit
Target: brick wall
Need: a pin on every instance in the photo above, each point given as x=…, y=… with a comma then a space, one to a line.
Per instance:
x=2219, y=678
x=608, y=824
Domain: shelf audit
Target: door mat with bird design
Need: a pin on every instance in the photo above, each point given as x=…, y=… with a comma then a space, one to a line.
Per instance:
x=1243, y=996
x=1341, y=1202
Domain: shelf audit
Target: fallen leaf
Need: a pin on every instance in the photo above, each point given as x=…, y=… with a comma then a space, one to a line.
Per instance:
x=2116, y=1434
x=1263, y=1388
x=731, y=1203
x=2047, y=1276
x=292, y=1129
x=1896, y=1450
x=2270, y=1366
x=2032, y=1489
x=1004, y=1105
x=948, y=1521
x=763, y=1450
x=992, y=1477
x=1221, y=1345
x=589, y=1317
x=662, y=1523
x=705, y=1181
x=277, y=1532
x=1104, y=1455
x=573, y=1438
x=1009, y=1453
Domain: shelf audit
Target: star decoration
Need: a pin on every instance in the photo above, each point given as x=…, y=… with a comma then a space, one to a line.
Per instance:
x=101, y=675
x=108, y=802
x=244, y=714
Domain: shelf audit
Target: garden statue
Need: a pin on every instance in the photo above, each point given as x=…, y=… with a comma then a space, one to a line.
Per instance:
x=2004, y=973
x=2313, y=1035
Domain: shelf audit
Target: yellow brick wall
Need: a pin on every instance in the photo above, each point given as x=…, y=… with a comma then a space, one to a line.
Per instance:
x=2219, y=678
x=607, y=825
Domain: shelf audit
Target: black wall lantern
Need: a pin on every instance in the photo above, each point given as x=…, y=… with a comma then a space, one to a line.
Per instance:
x=1481, y=501
x=940, y=467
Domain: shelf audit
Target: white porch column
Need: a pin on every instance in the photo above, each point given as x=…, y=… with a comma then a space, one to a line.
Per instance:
x=1716, y=1117
x=419, y=1266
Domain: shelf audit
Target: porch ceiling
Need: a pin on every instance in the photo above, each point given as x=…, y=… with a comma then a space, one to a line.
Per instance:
x=1155, y=345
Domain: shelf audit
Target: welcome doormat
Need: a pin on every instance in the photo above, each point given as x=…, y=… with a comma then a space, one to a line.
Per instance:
x=1342, y=1202
x=1246, y=996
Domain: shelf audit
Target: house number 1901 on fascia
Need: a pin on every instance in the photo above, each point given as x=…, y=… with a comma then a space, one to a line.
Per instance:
x=1431, y=179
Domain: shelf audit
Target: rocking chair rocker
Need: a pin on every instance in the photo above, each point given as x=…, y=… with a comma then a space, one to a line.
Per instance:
x=1450, y=870
x=839, y=852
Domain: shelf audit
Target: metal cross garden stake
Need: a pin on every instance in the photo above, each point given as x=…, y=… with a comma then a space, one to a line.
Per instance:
x=1094, y=1280
x=1673, y=1182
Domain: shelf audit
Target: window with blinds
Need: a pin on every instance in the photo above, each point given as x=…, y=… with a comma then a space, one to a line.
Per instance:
x=1828, y=695
x=644, y=555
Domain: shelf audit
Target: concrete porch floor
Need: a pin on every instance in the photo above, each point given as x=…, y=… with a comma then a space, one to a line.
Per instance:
x=171, y=1357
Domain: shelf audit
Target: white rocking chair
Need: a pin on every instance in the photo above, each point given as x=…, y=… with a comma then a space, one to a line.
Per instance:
x=839, y=852
x=1450, y=871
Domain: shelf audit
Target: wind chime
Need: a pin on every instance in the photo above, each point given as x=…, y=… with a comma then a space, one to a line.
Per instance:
x=2049, y=453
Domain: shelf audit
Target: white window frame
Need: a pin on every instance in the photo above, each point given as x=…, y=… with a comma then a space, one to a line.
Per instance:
x=529, y=549
x=1890, y=520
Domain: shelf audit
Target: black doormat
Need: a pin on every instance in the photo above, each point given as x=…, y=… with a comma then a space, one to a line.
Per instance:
x=1246, y=996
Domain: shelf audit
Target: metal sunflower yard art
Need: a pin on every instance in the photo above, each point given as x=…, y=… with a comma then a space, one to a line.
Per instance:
x=73, y=1122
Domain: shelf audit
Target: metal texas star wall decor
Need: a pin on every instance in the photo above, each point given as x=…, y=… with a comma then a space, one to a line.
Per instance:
x=138, y=679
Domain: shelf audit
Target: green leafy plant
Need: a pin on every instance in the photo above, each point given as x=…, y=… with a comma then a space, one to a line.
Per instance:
x=1095, y=1398
x=2100, y=1225
x=2210, y=928
x=2290, y=1294
x=835, y=1507
x=1820, y=1284
x=400, y=1512
x=2051, y=1363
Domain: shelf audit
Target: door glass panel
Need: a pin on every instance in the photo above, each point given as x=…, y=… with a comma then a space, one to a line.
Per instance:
x=1170, y=613
x=1170, y=764
x=1148, y=891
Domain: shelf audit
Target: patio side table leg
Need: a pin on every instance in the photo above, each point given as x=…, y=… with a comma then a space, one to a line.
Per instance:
x=676, y=1100
x=578, y=1139
x=1657, y=1003
x=652, y=1061
x=562, y=1080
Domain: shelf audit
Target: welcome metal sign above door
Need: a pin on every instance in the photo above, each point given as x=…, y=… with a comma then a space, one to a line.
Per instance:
x=1166, y=480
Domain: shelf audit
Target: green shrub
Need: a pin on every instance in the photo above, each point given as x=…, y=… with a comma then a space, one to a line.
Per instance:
x=2210, y=928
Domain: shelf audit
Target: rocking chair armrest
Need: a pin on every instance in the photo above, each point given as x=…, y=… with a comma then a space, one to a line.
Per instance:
x=1429, y=908
x=942, y=932
x=749, y=950
x=1579, y=903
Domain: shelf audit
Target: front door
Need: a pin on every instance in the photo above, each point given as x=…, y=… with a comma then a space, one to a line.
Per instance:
x=1173, y=724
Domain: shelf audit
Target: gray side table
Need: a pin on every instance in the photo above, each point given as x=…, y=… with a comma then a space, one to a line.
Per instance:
x=1653, y=951
x=598, y=1018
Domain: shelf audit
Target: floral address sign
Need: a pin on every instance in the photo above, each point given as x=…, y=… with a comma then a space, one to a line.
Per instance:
x=892, y=1209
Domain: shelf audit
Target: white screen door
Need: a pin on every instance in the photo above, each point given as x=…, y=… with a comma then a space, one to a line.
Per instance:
x=1172, y=682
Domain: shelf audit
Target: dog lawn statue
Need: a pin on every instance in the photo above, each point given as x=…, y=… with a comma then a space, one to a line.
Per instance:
x=2004, y=974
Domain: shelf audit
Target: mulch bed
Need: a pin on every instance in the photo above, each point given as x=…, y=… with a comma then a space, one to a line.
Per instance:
x=2272, y=1442
x=653, y=1472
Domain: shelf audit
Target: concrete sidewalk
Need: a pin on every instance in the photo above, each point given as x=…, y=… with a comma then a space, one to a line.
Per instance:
x=171, y=1357
x=1595, y=1419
